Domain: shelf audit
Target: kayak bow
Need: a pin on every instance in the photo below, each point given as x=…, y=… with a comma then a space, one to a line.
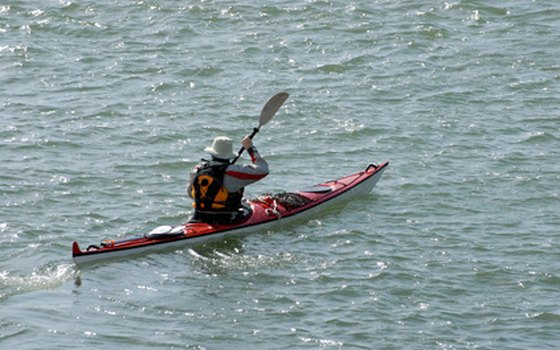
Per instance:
x=265, y=212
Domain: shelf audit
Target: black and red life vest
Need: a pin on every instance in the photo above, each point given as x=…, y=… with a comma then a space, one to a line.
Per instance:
x=209, y=192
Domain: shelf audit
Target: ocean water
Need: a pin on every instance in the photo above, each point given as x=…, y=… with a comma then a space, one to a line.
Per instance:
x=106, y=105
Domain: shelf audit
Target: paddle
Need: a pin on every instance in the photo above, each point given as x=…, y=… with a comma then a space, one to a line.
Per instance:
x=268, y=111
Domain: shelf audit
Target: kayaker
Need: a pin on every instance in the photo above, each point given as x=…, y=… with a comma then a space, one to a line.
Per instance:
x=216, y=186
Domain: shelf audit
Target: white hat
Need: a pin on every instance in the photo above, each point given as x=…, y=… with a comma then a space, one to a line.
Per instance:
x=222, y=148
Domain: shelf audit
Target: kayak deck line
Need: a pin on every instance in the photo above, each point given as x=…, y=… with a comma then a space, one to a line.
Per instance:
x=266, y=212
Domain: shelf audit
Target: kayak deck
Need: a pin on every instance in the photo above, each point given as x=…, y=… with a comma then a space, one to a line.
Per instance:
x=266, y=211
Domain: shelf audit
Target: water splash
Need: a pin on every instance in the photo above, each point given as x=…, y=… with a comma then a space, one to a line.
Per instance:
x=219, y=262
x=41, y=278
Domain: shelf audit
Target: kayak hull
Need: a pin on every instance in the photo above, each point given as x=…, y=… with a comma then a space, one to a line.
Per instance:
x=267, y=212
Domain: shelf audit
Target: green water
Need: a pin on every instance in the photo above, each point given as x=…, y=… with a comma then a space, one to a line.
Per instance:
x=105, y=107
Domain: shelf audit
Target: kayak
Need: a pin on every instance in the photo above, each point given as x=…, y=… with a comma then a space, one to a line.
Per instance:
x=263, y=212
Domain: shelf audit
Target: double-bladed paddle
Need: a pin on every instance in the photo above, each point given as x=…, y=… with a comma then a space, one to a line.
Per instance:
x=268, y=111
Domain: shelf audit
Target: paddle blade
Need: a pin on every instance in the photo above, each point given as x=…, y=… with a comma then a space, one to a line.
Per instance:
x=271, y=107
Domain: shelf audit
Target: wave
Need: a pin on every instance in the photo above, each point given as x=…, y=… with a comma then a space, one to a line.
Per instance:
x=46, y=277
x=539, y=137
x=553, y=316
x=220, y=258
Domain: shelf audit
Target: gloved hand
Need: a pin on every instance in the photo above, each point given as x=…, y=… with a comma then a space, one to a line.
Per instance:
x=247, y=142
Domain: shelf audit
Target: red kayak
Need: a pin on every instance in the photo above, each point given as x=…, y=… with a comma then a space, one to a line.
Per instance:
x=263, y=213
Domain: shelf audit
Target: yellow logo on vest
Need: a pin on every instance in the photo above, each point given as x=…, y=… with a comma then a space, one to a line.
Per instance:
x=203, y=185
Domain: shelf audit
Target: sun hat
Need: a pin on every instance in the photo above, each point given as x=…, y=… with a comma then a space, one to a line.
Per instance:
x=222, y=147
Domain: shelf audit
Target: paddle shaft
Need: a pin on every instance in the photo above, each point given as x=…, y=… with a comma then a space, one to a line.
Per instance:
x=268, y=111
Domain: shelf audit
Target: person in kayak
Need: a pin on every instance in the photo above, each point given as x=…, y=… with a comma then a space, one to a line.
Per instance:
x=216, y=186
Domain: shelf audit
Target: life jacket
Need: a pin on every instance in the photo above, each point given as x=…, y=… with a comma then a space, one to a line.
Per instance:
x=208, y=191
